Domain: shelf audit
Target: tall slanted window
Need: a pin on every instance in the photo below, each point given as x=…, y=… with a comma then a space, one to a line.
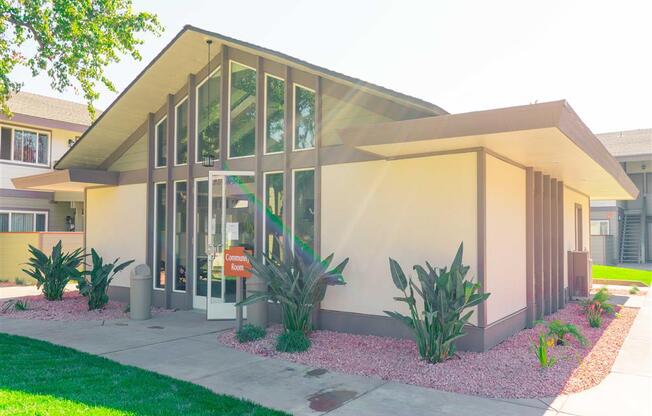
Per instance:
x=208, y=116
x=274, y=215
x=242, y=103
x=160, y=245
x=274, y=114
x=161, y=143
x=304, y=118
x=303, y=215
x=180, y=253
x=181, y=134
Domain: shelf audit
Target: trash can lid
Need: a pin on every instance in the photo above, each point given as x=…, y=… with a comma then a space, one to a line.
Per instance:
x=141, y=272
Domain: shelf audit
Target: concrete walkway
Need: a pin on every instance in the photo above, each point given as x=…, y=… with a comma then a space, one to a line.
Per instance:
x=183, y=345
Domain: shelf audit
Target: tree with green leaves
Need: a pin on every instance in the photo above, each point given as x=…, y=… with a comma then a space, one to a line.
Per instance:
x=72, y=41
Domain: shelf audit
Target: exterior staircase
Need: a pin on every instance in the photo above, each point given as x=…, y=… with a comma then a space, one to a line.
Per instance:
x=630, y=239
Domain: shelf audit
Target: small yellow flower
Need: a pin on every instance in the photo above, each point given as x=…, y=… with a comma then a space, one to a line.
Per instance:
x=551, y=342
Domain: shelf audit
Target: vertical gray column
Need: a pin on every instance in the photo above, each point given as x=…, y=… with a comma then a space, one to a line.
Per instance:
x=546, y=245
x=257, y=312
x=554, y=269
x=169, y=223
x=529, y=247
x=287, y=171
x=318, y=140
x=538, y=245
x=560, y=245
x=224, y=108
x=190, y=189
x=151, y=137
x=482, y=232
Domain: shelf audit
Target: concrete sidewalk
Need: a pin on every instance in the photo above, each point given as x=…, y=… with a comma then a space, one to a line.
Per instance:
x=183, y=345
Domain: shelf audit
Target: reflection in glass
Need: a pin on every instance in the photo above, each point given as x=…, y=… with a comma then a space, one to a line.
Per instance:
x=161, y=143
x=208, y=117
x=201, y=224
x=180, y=217
x=304, y=118
x=4, y=222
x=274, y=215
x=242, y=129
x=159, y=236
x=43, y=149
x=40, y=222
x=181, y=134
x=274, y=114
x=22, y=223
x=304, y=212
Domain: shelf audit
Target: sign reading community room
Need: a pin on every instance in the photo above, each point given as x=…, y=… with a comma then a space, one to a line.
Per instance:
x=236, y=263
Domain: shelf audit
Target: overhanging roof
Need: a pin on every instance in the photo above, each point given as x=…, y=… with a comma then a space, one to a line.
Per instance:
x=168, y=72
x=73, y=180
x=549, y=137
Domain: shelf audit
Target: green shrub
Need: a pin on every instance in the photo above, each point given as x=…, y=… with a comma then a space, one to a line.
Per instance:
x=634, y=290
x=558, y=330
x=292, y=341
x=601, y=297
x=15, y=304
x=297, y=284
x=94, y=286
x=542, y=351
x=594, y=314
x=249, y=333
x=19, y=281
x=445, y=295
x=55, y=271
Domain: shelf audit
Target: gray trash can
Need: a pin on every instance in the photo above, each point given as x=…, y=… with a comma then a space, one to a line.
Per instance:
x=140, y=293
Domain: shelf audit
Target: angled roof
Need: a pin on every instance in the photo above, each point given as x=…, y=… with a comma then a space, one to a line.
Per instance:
x=167, y=73
x=628, y=143
x=50, y=108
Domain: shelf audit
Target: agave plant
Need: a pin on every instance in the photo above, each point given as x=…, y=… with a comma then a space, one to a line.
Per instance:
x=53, y=272
x=94, y=283
x=445, y=295
x=298, y=284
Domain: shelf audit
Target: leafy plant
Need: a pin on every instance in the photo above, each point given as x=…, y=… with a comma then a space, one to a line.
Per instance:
x=94, y=286
x=297, y=284
x=445, y=295
x=55, y=271
x=594, y=314
x=292, y=341
x=542, y=351
x=19, y=281
x=558, y=330
x=15, y=304
x=634, y=290
x=601, y=297
x=249, y=333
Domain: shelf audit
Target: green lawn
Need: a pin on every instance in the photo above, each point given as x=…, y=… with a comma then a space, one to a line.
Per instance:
x=39, y=378
x=621, y=273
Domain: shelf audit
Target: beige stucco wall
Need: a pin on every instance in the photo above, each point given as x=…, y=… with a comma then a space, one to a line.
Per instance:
x=414, y=210
x=116, y=225
x=570, y=199
x=505, y=238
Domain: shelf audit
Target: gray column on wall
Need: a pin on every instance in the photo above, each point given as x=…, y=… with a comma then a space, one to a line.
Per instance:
x=554, y=289
x=529, y=247
x=538, y=244
x=560, y=245
x=190, y=188
x=546, y=245
x=224, y=108
x=151, y=137
x=287, y=172
x=169, y=270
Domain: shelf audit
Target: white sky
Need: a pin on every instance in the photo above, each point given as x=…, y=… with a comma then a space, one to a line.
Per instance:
x=461, y=55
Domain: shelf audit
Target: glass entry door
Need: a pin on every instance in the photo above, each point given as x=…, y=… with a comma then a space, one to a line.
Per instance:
x=231, y=198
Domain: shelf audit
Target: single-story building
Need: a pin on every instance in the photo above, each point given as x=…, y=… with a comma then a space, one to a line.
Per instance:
x=221, y=147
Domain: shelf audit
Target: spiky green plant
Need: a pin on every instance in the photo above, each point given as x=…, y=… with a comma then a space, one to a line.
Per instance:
x=542, y=351
x=250, y=332
x=601, y=297
x=594, y=313
x=558, y=330
x=298, y=284
x=94, y=286
x=446, y=295
x=15, y=304
x=53, y=272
